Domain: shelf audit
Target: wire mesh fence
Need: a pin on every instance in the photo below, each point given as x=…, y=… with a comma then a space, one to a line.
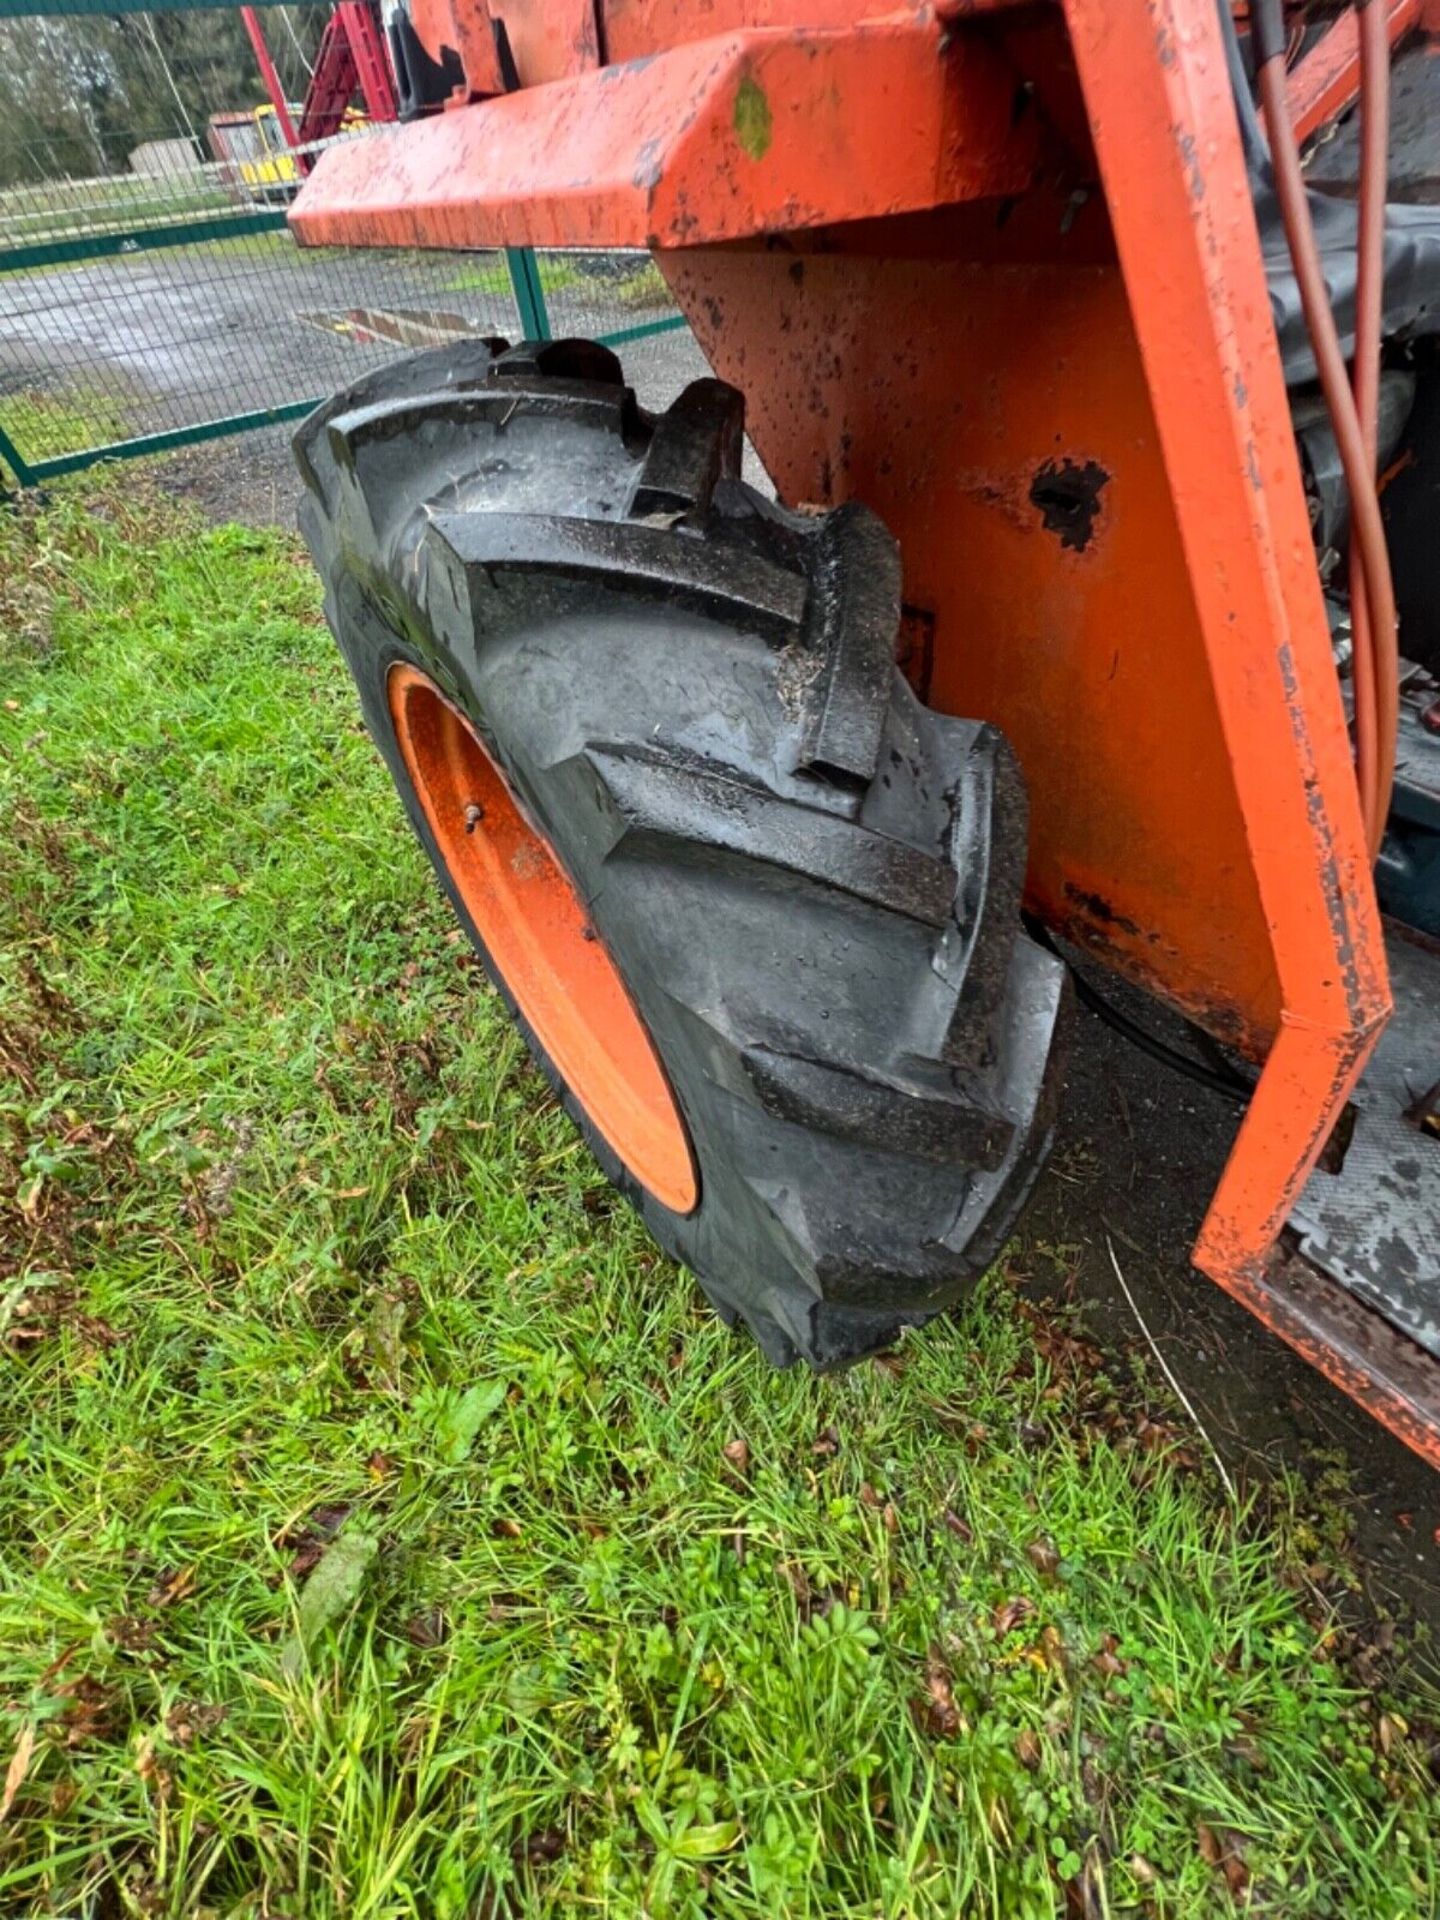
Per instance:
x=150, y=293
x=621, y=299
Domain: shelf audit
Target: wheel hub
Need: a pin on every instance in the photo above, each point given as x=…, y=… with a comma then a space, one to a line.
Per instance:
x=537, y=933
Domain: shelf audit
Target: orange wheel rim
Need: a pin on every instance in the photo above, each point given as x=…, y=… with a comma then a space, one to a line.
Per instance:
x=536, y=930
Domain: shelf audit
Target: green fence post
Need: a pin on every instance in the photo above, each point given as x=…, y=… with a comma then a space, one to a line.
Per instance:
x=15, y=460
x=529, y=294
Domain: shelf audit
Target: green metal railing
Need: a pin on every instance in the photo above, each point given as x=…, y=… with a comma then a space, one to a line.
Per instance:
x=524, y=275
x=89, y=354
x=101, y=246
x=530, y=305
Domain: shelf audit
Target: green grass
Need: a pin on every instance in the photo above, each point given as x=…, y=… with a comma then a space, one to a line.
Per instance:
x=491, y=274
x=562, y=274
x=43, y=425
x=65, y=209
x=645, y=288
x=387, y=1528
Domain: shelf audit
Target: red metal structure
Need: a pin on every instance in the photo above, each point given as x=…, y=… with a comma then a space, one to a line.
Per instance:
x=993, y=269
x=351, y=62
x=274, y=92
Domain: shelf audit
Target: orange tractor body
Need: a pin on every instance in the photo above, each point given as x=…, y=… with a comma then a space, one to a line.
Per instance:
x=995, y=272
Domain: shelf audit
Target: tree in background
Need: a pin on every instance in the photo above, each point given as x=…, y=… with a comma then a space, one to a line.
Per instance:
x=78, y=92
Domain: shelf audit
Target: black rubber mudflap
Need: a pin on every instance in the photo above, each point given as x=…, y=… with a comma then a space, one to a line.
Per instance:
x=810, y=882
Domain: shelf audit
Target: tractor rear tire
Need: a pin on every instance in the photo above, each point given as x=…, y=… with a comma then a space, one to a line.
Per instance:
x=633, y=707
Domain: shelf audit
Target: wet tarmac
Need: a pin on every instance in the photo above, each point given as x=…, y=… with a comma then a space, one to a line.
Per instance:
x=152, y=342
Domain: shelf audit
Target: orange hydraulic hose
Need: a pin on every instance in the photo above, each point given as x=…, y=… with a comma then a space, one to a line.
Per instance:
x=1368, y=531
x=1383, y=660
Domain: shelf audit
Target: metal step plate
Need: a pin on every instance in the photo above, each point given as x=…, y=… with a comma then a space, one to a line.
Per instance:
x=1375, y=1225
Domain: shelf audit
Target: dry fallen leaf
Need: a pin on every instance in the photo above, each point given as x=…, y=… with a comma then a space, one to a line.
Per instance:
x=18, y=1768
x=1107, y=1660
x=737, y=1452
x=60, y=1662
x=188, y=1720
x=937, y=1714
x=426, y=1629
x=799, y=1582
x=1084, y=1899
x=310, y=1538
x=1044, y=1557
x=88, y=1710
x=1390, y=1727
x=1027, y=1748
x=173, y=1584
x=134, y=1635
x=1220, y=1847
x=547, y=1844
x=1009, y=1615
x=160, y=1780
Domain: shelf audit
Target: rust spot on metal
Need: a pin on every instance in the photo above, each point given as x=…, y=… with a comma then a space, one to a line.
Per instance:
x=1096, y=907
x=1362, y=1354
x=616, y=68
x=1068, y=497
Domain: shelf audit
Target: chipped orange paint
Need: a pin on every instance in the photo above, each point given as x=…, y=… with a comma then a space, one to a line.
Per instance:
x=1174, y=174
x=464, y=28
x=1391, y=1377
x=550, y=42
x=874, y=121
x=546, y=43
